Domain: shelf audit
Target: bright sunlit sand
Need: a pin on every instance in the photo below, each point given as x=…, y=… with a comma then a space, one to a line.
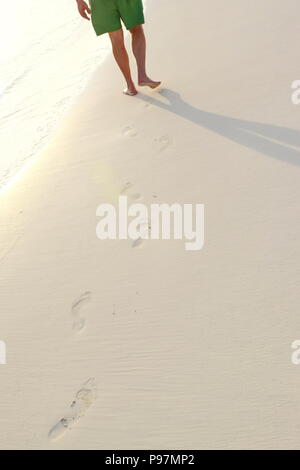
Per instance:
x=120, y=345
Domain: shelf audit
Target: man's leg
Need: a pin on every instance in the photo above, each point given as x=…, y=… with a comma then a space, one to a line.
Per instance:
x=139, y=51
x=121, y=56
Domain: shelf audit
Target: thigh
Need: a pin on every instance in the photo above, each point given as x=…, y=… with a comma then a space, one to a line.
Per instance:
x=131, y=12
x=105, y=16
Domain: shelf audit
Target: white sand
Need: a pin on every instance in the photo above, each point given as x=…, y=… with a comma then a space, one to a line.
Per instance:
x=187, y=349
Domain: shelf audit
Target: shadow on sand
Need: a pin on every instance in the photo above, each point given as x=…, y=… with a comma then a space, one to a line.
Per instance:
x=271, y=140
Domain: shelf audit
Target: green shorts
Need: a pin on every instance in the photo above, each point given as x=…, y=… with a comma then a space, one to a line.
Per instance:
x=107, y=14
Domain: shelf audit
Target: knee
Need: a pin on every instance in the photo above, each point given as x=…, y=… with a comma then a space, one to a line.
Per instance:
x=136, y=29
x=117, y=38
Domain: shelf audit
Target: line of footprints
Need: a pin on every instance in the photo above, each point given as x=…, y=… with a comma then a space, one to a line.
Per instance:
x=87, y=394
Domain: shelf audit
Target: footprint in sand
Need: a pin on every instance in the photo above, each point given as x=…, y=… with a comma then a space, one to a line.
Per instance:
x=128, y=190
x=84, y=398
x=140, y=240
x=78, y=307
x=137, y=242
x=163, y=142
x=129, y=131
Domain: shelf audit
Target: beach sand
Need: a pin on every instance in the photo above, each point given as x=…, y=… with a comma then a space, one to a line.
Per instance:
x=117, y=346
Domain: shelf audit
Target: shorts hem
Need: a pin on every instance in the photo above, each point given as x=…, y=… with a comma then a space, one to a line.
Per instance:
x=136, y=23
x=105, y=31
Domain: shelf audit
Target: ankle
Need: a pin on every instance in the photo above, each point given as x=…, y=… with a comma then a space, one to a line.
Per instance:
x=130, y=86
x=142, y=78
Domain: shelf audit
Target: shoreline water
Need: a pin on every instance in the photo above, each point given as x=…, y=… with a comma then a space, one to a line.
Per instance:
x=48, y=124
x=42, y=76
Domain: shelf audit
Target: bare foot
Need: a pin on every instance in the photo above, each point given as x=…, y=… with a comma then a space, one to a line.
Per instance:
x=148, y=82
x=130, y=91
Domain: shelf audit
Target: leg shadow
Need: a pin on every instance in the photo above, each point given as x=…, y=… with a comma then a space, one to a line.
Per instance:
x=264, y=138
